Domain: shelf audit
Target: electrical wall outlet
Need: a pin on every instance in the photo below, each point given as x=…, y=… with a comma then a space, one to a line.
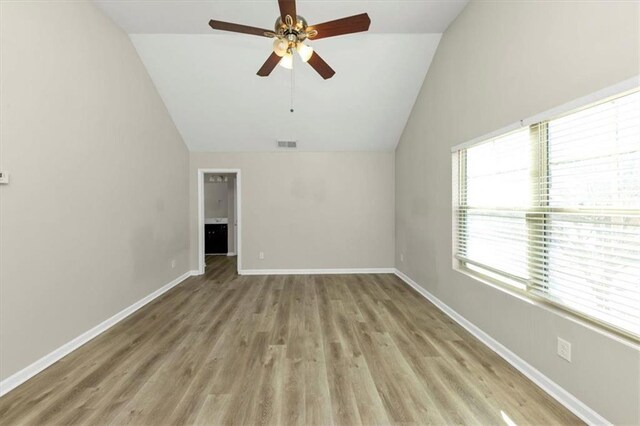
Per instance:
x=173, y=263
x=564, y=349
x=261, y=255
x=4, y=177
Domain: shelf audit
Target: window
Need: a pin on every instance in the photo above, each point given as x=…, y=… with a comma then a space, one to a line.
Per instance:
x=553, y=209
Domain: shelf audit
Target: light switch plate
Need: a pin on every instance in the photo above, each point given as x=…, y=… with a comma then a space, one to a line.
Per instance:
x=564, y=349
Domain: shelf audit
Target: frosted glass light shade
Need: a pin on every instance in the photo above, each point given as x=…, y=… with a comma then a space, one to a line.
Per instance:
x=280, y=47
x=304, y=51
x=287, y=61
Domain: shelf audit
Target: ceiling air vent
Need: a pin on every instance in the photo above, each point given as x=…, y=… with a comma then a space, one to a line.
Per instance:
x=287, y=144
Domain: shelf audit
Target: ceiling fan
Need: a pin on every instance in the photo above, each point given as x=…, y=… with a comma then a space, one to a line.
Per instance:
x=290, y=32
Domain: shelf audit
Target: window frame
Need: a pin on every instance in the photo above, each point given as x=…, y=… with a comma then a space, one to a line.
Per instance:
x=540, y=208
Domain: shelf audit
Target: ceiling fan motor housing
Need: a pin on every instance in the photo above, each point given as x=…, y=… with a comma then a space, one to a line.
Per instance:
x=287, y=27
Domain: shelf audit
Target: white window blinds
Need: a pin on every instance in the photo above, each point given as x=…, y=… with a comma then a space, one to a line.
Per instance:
x=554, y=210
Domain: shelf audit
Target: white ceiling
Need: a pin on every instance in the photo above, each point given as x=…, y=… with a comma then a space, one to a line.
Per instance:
x=208, y=79
x=192, y=16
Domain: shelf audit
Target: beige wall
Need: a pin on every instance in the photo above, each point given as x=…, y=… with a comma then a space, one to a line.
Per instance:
x=216, y=201
x=497, y=63
x=309, y=210
x=97, y=207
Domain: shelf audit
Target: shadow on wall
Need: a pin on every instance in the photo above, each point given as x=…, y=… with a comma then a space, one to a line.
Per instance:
x=168, y=243
x=311, y=189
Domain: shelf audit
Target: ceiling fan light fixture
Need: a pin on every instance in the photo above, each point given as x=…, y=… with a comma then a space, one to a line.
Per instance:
x=287, y=61
x=280, y=47
x=304, y=51
x=291, y=30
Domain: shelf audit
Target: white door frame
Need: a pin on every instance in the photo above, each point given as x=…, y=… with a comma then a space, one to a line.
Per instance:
x=201, y=173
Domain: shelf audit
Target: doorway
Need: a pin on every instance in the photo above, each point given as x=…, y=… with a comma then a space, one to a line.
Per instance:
x=219, y=215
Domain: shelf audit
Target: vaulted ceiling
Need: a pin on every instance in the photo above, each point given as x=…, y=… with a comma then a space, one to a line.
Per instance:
x=208, y=80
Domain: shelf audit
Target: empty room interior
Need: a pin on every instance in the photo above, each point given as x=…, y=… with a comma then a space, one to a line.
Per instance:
x=407, y=212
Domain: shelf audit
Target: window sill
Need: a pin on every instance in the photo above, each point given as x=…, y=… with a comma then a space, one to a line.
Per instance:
x=542, y=303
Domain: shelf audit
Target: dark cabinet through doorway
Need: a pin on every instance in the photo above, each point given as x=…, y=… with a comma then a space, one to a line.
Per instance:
x=215, y=239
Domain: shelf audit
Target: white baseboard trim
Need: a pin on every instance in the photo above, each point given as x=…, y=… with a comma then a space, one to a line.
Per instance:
x=565, y=398
x=316, y=271
x=231, y=253
x=29, y=371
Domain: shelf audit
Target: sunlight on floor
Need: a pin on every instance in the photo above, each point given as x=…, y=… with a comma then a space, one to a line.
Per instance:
x=507, y=419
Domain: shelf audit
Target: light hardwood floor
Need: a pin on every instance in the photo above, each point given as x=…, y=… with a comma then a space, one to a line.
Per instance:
x=314, y=350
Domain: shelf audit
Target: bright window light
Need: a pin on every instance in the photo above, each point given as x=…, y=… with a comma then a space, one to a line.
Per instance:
x=554, y=209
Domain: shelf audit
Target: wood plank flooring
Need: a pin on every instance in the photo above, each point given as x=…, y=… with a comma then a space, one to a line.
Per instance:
x=312, y=350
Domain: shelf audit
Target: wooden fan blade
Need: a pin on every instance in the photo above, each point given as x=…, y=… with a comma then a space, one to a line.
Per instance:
x=288, y=7
x=237, y=28
x=351, y=24
x=321, y=66
x=269, y=65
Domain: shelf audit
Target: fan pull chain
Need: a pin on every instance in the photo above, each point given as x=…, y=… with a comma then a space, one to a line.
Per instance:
x=292, y=88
